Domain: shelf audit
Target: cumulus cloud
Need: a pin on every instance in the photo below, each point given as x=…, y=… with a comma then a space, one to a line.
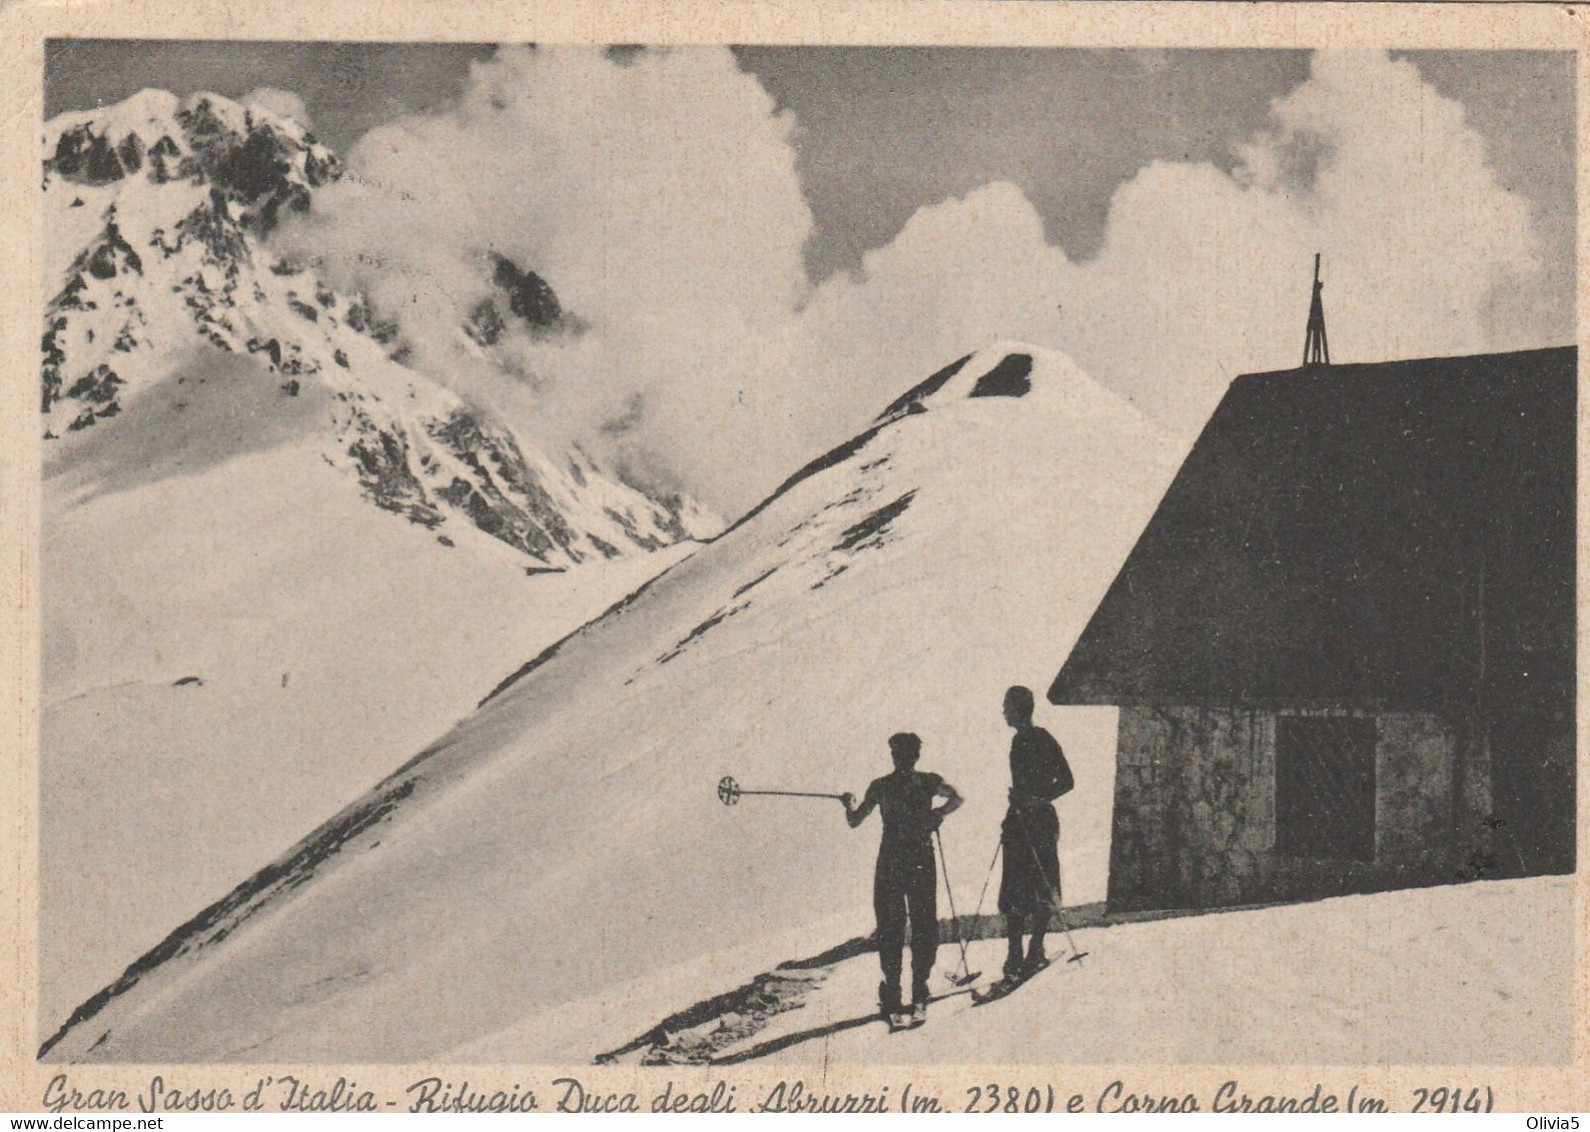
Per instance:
x=1204, y=273
x=959, y=274
x=658, y=194
x=283, y=103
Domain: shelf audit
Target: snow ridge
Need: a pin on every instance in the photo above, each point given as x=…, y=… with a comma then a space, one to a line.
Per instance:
x=893, y=586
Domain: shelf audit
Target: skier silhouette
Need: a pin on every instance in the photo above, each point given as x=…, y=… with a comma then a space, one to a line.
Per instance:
x=906, y=879
x=1029, y=886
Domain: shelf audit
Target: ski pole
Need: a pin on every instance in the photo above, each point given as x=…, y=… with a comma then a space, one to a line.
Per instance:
x=1076, y=956
x=1054, y=892
x=998, y=845
x=729, y=792
x=968, y=975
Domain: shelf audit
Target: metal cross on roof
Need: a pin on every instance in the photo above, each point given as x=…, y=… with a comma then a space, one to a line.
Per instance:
x=1316, y=351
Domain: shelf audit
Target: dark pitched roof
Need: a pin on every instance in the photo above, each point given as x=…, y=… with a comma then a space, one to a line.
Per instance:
x=1391, y=534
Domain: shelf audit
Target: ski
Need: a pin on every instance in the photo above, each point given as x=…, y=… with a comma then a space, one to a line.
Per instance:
x=1008, y=985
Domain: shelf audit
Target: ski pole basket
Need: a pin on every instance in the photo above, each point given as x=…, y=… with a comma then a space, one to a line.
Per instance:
x=730, y=792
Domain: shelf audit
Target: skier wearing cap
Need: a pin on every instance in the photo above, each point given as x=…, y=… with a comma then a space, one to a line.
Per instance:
x=906, y=879
x=1029, y=886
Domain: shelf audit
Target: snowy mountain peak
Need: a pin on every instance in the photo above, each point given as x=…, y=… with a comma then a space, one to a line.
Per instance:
x=1049, y=384
x=1007, y=369
x=176, y=337
x=250, y=155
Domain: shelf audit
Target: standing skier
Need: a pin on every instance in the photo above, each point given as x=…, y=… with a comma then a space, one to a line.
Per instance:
x=906, y=879
x=1029, y=887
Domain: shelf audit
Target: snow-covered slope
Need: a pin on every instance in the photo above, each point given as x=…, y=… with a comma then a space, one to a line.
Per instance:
x=232, y=657
x=569, y=827
x=242, y=487
x=1470, y=974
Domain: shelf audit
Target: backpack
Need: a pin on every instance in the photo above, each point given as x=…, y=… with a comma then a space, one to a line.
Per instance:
x=1064, y=782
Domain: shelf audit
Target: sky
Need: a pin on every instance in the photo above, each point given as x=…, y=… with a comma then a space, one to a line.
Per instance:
x=764, y=246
